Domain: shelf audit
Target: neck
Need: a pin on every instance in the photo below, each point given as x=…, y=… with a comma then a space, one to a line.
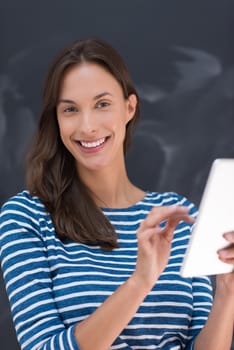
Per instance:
x=111, y=188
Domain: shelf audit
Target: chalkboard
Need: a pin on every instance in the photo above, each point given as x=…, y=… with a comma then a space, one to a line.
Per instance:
x=181, y=57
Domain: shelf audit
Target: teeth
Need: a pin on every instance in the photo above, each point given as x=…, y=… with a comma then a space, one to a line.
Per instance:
x=92, y=144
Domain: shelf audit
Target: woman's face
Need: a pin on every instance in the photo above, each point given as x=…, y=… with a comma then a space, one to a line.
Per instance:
x=92, y=115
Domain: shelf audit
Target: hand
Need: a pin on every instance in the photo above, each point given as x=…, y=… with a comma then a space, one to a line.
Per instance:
x=154, y=242
x=225, y=282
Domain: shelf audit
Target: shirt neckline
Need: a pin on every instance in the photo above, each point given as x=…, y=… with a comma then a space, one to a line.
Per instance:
x=131, y=207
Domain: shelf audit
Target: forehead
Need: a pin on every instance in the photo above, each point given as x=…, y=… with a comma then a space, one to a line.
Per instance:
x=88, y=78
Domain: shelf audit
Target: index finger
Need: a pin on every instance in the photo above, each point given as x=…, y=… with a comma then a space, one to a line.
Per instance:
x=159, y=214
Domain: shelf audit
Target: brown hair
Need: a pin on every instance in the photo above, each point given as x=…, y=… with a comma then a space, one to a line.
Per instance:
x=51, y=171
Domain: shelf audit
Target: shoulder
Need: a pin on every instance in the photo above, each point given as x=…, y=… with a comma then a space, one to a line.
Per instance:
x=22, y=205
x=169, y=198
x=25, y=201
x=21, y=218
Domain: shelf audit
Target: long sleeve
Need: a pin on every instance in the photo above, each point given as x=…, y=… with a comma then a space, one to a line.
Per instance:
x=202, y=303
x=28, y=282
x=52, y=285
x=202, y=294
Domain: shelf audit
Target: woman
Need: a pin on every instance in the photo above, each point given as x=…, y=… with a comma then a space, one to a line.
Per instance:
x=91, y=261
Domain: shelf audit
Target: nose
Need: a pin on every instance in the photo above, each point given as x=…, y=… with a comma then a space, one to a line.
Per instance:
x=87, y=123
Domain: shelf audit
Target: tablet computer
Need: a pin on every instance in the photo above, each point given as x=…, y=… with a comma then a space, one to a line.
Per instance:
x=215, y=217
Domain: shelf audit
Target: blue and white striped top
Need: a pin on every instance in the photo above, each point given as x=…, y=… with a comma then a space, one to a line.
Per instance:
x=52, y=285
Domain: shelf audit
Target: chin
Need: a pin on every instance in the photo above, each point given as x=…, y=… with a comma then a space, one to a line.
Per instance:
x=92, y=167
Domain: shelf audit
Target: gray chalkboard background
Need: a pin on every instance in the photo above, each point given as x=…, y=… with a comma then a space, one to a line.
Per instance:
x=181, y=57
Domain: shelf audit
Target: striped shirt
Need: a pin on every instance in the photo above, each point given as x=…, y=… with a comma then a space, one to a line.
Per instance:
x=53, y=285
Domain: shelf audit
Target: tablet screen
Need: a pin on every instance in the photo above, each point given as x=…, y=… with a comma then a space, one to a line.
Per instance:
x=215, y=217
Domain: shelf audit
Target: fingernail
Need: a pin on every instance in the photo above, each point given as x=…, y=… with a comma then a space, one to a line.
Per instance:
x=222, y=253
x=228, y=235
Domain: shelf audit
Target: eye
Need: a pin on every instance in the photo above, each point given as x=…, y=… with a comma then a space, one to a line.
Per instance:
x=102, y=104
x=70, y=109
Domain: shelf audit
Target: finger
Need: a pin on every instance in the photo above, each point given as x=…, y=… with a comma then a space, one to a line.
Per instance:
x=168, y=230
x=159, y=214
x=173, y=221
x=227, y=253
x=229, y=236
x=148, y=233
x=227, y=261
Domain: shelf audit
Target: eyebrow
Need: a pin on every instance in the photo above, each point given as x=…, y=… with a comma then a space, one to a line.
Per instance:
x=102, y=94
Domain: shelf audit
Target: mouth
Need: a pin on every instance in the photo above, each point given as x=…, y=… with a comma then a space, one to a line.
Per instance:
x=93, y=145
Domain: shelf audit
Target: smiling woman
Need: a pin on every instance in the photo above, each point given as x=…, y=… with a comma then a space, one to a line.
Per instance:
x=88, y=96
x=90, y=260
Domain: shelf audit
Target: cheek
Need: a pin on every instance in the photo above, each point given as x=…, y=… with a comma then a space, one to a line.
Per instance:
x=119, y=131
x=65, y=132
x=120, y=119
x=122, y=123
x=65, y=127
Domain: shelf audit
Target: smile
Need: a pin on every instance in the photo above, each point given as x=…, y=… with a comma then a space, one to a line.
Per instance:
x=92, y=144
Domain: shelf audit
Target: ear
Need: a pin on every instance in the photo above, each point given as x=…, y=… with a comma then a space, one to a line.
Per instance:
x=131, y=107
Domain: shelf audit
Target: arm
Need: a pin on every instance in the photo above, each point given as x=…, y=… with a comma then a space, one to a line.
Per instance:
x=29, y=284
x=218, y=331
x=28, y=281
x=107, y=322
x=101, y=328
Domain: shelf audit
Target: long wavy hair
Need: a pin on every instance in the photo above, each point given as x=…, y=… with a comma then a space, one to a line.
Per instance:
x=51, y=172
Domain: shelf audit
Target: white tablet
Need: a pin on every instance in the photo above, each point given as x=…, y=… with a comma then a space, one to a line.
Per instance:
x=215, y=217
